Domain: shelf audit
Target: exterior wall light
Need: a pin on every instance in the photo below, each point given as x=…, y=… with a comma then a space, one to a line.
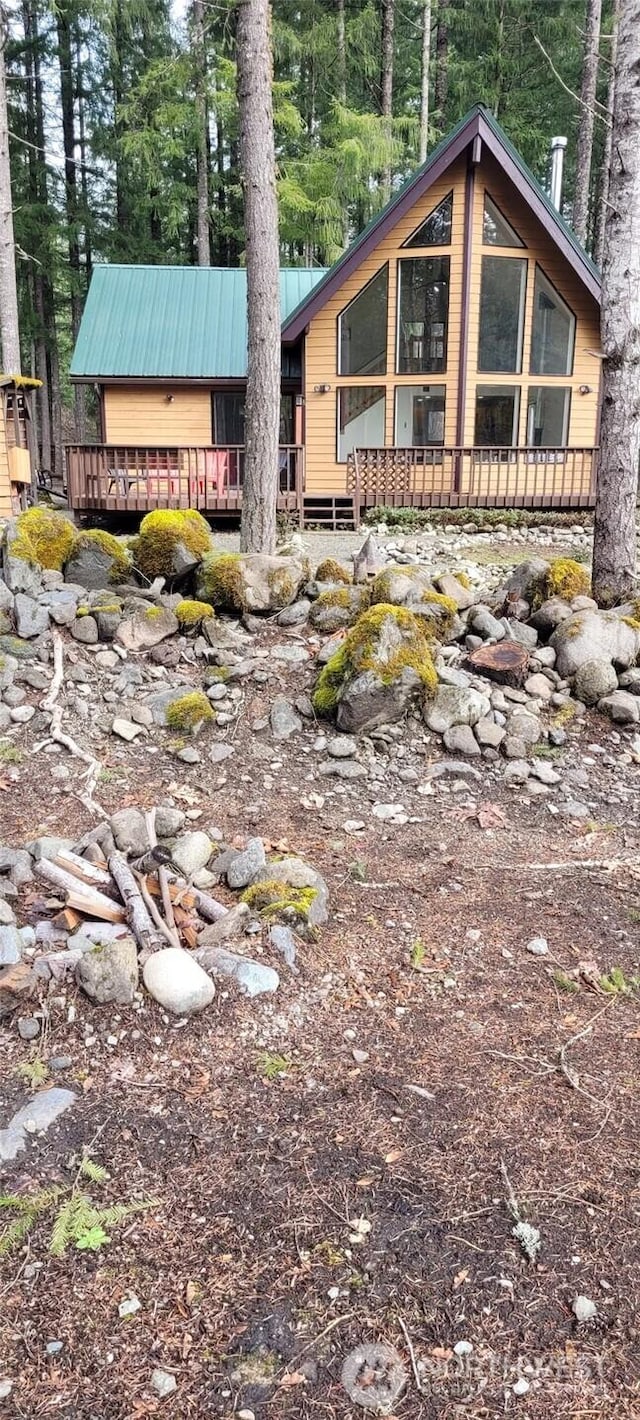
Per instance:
x=322, y=389
x=585, y=389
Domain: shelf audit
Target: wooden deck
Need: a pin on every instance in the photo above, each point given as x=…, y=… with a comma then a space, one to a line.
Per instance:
x=111, y=478
x=472, y=477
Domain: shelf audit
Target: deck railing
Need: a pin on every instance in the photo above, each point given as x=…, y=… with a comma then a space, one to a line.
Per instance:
x=124, y=479
x=499, y=477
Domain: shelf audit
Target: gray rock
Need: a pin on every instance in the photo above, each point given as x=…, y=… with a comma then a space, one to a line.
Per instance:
x=544, y=771
x=594, y=635
x=521, y=632
x=130, y=831
x=246, y=864
x=31, y=618
x=91, y=566
x=621, y=707
x=299, y=874
x=455, y=705
x=48, y=846
x=295, y=614
x=485, y=624
x=456, y=768
x=517, y=772
x=177, y=981
x=146, y=628
x=219, y=752
x=189, y=755
x=282, y=940
x=525, y=727
x=261, y=583
x=283, y=719
x=513, y=747
x=232, y=925
x=125, y=730
x=17, y=862
x=96, y=934
x=367, y=701
x=14, y=695
x=341, y=747
x=110, y=973
x=628, y=680
x=192, y=851
x=253, y=978
x=159, y=702
x=20, y=576
x=5, y=718
x=460, y=739
x=524, y=581
x=488, y=733
x=549, y=615
x=341, y=769
x=7, y=916
x=108, y=623
x=293, y=654
x=169, y=821
x=22, y=714
x=539, y=686
x=584, y=1309
x=85, y=629
x=36, y=1117
x=538, y=947
x=573, y=808
x=163, y=1383
x=6, y=597
x=593, y=680
x=327, y=618
x=449, y=586
x=28, y=1027
x=61, y=604
x=11, y=945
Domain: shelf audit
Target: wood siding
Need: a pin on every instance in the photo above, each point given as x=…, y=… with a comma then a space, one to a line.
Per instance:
x=135, y=414
x=323, y=472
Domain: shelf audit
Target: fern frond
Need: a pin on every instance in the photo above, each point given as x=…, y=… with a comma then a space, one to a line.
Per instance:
x=111, y=1217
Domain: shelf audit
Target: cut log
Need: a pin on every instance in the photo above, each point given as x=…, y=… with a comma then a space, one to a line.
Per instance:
x=83, y=897
x=80, y=868
x=146, y=934
x=207, y=906
x=170, y=934
x=507, y=662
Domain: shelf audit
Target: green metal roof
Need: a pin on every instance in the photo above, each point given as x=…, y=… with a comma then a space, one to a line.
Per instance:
x=173, y=322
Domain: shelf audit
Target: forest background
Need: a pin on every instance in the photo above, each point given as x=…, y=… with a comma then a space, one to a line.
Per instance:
x=124, y=135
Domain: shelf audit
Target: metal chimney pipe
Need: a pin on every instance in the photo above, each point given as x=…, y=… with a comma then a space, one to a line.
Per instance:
x=558, y=146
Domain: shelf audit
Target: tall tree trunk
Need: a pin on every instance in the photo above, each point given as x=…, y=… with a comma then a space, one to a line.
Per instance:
x=67, y=98
x=424, y=84
x=584, y=149
x=42, y=372
x=9, y=324
x=258, y=168
x=614, y=543
x=606, y=156
x=222, y=243
x=202, y=118
x=82, y=144
x=386, y=83
x=341, y=76
x=441, y=86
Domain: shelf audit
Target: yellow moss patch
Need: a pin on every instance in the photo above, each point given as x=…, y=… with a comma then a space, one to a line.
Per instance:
x=97, y=537
x=345, y=597
x=220, y=579
x=160, y=533
x=441, y=624
x=190, y=710
x=45, y=538
x=273, y=898
x=565, y=578
x=332, y=571
x=359, y=652
x=191, y=613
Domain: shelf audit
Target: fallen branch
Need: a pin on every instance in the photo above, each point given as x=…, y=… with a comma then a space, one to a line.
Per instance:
x=58, y=736
x=96, y=904
x=150, y=820
x=416, y=1374
x=138, y=917
x=58, y=673
x=171, y=936
x=207, y=906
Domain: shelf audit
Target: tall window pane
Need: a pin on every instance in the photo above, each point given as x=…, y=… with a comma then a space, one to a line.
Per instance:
x=496, y=231
x=360, y=419
x=497, y=408
x=363, y=329
x=548, y=416
x=419, y=415
x=553, y=333
x=423, y=315
x=435, y=231
x=502, y=297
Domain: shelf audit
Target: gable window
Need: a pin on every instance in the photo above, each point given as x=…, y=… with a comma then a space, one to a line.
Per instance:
x=361, y=413
x=497, y=410
x=496, y=231
x=419, y=415
x=502, y=300
x=548, y=416
x=423, y=315
x=553, y=332
x=435, y=231
x=362, y=329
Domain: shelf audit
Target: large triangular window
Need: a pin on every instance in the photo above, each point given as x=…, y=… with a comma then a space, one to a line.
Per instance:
x=435, y=231
x=496, y=231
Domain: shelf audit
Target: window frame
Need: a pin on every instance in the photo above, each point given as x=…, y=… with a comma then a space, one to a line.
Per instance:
x=518, y=245
x=546, y=374
x=399, y=263
x=383, y=389
x=440, y=443
x=522, y=319
x=517, y=409
x=408, y=243
x=377, y=374
x=567, y=390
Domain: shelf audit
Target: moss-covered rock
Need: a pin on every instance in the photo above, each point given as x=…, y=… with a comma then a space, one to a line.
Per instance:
x=439, y=614
x=239, y=582
x=289, y=890
x=338, y=607
x=171, y=542
x=146, y=628
x=332, y=571
x=563, y=578
x=383, y=663
x=188, y=712
x=191, y=614
x=97, y=561
x=400, y=586
x=43, y=538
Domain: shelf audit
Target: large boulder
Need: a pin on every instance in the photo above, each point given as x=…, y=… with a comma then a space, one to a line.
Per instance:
x=177, y=982
x=382, y=665
x=97, y=561
x=595, y=635
x=398, y=585
x=42, y=537
x=171, y=543
x=549, y=615
x=146, y=628
x=524, y=582
x=241, y=582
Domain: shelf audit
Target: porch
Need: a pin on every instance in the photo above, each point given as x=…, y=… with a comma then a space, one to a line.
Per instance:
x=110, y=478
x=478, y=477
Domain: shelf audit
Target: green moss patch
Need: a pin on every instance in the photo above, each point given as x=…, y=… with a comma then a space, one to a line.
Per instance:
x=275, y=899
x=44, y=538
x=107, y=543
x=445, y=611
x=188, y=711
x=221, y=580
x=332, y=571
x=191, y=614
x=360, y=651
x=564, y=578
x=159, y=535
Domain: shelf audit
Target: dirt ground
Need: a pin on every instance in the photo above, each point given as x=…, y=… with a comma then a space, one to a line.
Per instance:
x=335, y=1165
